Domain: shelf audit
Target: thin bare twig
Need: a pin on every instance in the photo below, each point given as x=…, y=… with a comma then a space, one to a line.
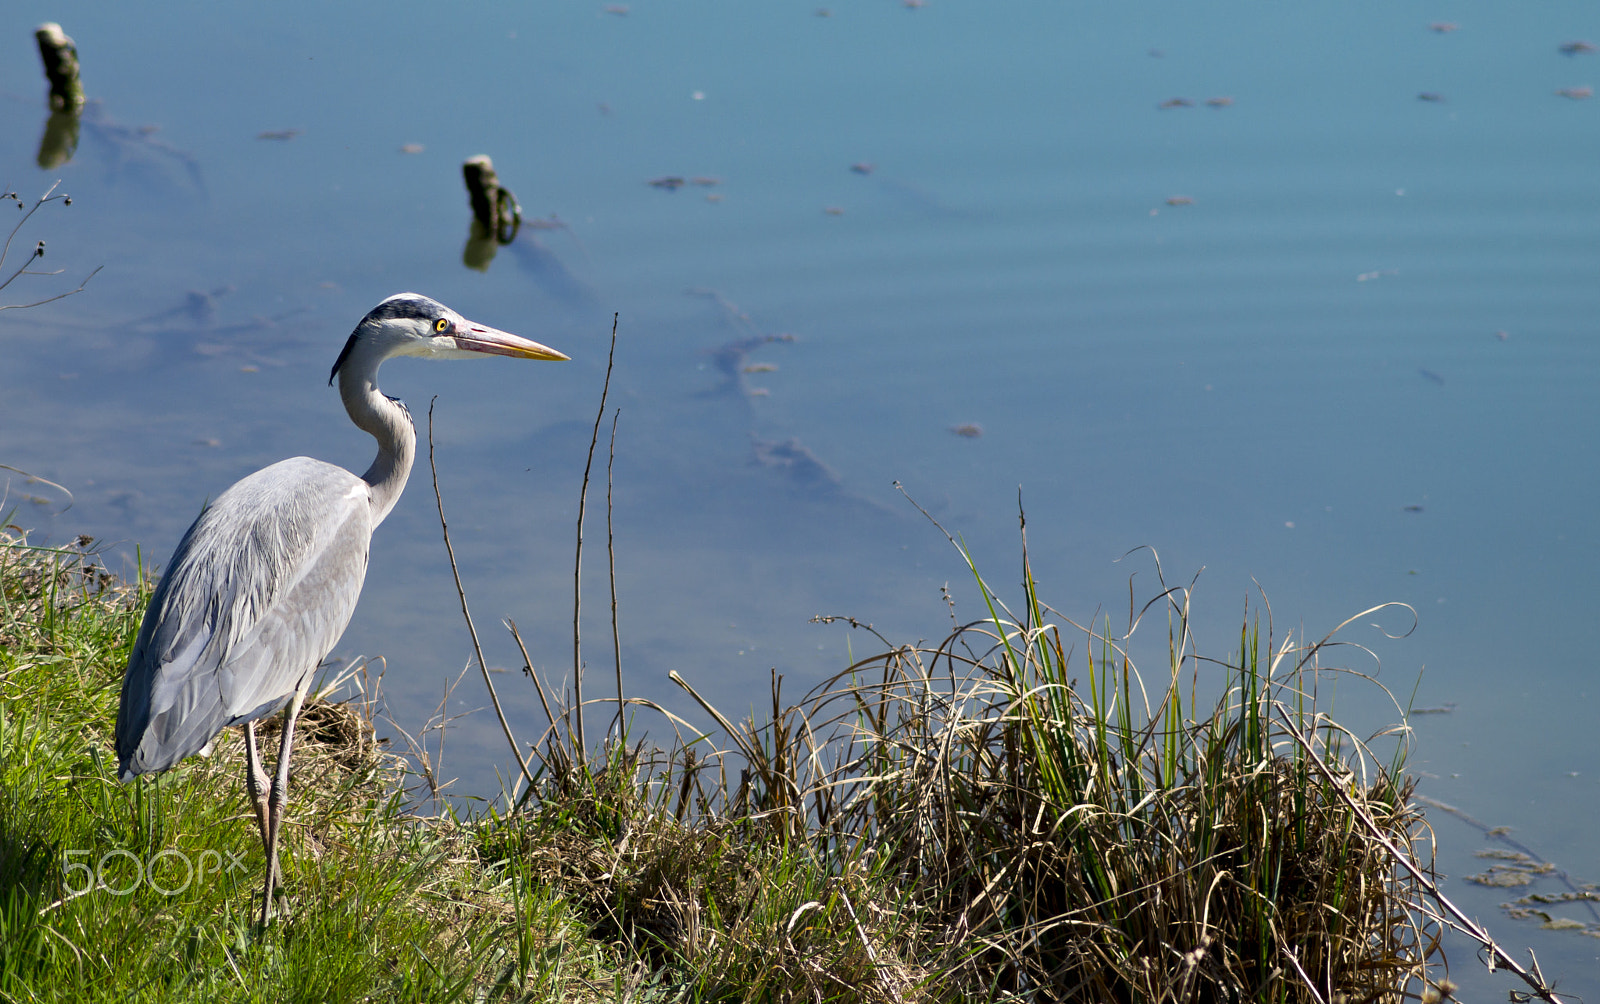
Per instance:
x=472, y=629
x=1460, y=920
x=577, y=569
x=611, y=557
x=48, y=196
x=38, y=250
x=48, y=299
x=527, y=667
x=45, y=481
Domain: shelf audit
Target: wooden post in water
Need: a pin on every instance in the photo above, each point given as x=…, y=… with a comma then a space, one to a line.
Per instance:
x=482, y=186
x=496, y=216
x=60, y=56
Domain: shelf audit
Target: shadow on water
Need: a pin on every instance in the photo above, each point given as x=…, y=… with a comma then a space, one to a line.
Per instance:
x=198, y=326
x=134, y=157
x=784, y=456
x=550, y=274
x=131, y=158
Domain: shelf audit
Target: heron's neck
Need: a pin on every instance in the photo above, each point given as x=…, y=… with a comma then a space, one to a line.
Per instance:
x=390, y=424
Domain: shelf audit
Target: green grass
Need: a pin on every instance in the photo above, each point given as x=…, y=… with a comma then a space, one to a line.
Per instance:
x=979, y=819
x=381, y=904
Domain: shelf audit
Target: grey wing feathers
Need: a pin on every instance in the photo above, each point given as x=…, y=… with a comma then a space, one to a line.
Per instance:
x=257, y=593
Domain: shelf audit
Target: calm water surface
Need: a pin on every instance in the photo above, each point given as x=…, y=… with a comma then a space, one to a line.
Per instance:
x=1355, y=362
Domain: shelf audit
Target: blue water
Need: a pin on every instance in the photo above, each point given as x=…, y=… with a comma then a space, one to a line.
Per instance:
x=1357, y=365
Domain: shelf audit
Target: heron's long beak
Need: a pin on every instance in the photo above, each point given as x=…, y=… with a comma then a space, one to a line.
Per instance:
x=473, y=337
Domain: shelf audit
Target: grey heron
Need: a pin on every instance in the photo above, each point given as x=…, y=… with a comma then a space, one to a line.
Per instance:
x=263, y=583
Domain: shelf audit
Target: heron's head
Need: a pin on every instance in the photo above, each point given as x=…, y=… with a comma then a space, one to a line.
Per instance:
x=410, y=324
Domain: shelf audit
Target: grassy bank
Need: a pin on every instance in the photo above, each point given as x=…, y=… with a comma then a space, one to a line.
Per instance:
x=144, y=891
x=987, y=818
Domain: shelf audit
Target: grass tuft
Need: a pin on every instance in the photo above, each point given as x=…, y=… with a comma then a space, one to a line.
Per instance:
x=971, y=820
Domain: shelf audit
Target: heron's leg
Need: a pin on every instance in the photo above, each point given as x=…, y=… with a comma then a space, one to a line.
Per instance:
x=279, y=797
x=256, y=780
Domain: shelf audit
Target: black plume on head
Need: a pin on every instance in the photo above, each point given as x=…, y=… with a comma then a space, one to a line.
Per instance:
x=413, y=306
x=344, y=354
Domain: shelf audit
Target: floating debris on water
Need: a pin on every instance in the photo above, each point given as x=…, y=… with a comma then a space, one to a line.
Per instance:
x=1180, y=200
x=412, y=148
x=1446, y=708
x=1176, y=103
x=1222, y=102
x=677, y=181
x=553, y=223
x=862, y=167
x=732, y=359
x=797, y=460
x=278, y=134
x=834, y=210
x=1511, y=876
x=619, y=9
x=1576, y=47
x=1497, y=854
x=1428, y=374
x=1576, y=93
x=1376, y=273
x=1412, y=508
x=1444, y=27
x=967, y=430
x=1433, y=96
x=1503, y=878
x=1502, y=335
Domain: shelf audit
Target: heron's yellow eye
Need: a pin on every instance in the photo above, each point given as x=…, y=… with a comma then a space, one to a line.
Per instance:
x=441, y=325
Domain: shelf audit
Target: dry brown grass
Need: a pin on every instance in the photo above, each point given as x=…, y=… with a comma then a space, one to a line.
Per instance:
x=969, y=821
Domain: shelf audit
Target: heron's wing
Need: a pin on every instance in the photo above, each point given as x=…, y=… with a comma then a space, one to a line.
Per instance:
x=258, y=591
